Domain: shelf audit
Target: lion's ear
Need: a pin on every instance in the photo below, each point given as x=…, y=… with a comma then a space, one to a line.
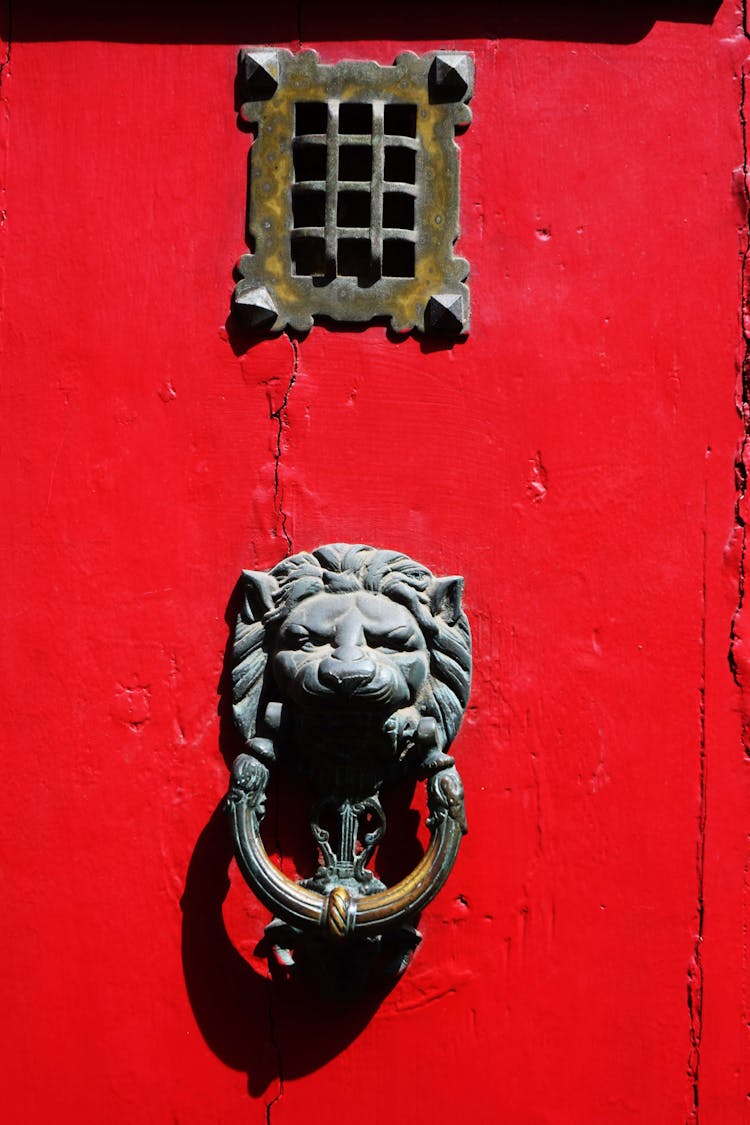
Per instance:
x=257, y=589
x=445, y=598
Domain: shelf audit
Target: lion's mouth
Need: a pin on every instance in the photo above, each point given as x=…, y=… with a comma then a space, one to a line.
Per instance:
x=354, y=686
x=358, y=709
x=375, y=695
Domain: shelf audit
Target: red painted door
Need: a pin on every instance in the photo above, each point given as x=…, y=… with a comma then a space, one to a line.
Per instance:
x=580, y=458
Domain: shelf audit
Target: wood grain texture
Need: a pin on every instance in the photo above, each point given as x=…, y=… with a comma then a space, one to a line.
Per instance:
x=573, y=459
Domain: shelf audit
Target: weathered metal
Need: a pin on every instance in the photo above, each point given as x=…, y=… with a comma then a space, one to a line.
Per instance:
x=354, y=191
x=351, y=665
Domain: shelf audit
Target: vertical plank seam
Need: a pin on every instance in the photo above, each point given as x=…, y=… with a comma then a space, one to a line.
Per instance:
x=738, y=661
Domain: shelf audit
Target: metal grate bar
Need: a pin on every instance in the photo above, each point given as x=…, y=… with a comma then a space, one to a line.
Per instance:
x=376, y=189
x=397, y=141
x=354, y=232
x=401, y=234
x=399, y=188
x=332, y=175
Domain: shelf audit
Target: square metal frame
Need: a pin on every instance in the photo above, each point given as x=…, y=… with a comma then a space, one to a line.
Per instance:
x=433, y=296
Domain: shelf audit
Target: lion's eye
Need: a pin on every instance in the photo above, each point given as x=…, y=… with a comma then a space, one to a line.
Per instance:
x=396, y=641
x=297, y=637
x=311, y=641
x=375, y=640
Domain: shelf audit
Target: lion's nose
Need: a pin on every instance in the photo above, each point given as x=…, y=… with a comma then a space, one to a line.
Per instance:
x=346, y=669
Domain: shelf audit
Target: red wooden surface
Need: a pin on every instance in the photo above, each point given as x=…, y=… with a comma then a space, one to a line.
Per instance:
x=573, y=459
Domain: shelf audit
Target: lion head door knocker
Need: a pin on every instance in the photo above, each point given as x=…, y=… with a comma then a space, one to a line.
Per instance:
x=352, y=666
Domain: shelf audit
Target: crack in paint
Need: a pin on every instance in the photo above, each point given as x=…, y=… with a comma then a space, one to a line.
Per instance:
x=274, y=1043
x=280, y=417
x=695, y=976
x=277, y=416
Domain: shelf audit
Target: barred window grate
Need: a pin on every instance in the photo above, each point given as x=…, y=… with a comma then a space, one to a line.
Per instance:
x=355, y=182
x=371, y=185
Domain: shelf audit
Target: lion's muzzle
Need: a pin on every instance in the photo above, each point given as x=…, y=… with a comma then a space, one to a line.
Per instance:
x=347, y=670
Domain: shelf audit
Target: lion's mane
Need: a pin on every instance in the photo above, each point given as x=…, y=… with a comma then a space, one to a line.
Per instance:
x=342, y=568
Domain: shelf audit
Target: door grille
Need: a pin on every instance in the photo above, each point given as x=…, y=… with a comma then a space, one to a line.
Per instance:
x=354, y=191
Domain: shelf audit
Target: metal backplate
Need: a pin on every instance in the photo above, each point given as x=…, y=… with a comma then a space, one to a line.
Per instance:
x=354, y=191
